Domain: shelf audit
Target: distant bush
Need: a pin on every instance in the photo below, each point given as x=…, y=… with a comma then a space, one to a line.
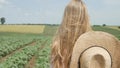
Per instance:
x=104, y=25
x=2, y=20
x=119, y=27
x=96, y=25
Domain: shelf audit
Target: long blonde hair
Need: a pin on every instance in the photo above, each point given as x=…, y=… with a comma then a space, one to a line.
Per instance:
x=75, y=22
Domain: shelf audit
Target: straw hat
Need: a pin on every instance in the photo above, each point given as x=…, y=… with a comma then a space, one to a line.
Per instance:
x=96, y=48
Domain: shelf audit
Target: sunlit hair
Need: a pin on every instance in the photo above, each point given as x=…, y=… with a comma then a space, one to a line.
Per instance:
x=75, y=22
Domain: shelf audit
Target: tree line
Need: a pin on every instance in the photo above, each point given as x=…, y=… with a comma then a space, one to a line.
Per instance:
x=2, y=21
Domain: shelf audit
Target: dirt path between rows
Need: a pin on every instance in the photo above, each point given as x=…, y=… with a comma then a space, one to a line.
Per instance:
x=31, y=63
x=19, y=49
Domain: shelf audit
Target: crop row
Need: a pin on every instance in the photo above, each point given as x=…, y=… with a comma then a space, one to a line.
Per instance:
x=7, y=40
x=7, y=46
x=43, y=56
x=22, y=57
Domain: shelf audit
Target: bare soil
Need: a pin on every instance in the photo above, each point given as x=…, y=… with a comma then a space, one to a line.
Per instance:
x=31, y=63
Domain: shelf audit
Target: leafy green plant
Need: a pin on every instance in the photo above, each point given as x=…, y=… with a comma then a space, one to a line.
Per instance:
x=9, y=45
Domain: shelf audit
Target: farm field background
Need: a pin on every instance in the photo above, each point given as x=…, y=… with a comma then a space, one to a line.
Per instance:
x=32, y=50
x=22, y=28
x=114, y=27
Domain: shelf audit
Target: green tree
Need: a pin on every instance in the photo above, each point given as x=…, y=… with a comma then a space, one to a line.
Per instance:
x=2, y=20
x=104, y=25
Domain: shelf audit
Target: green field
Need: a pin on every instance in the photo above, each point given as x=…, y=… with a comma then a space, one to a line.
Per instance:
x=112, y=31
x=17, y=51
x=25, y=50
x=114, y=27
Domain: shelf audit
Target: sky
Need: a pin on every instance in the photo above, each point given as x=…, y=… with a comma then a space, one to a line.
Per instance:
x=51, y=11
